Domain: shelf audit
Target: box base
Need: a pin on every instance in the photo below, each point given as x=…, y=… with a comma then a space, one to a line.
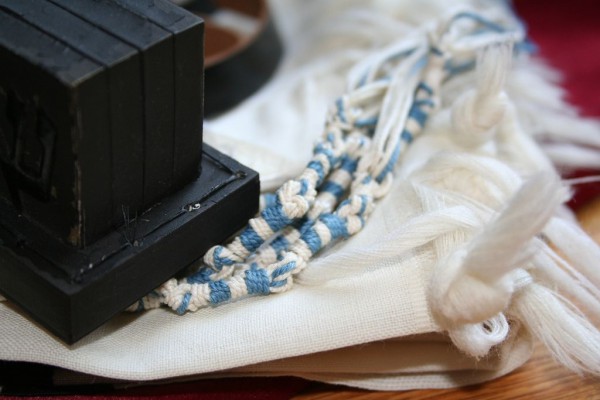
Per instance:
x=71, y=292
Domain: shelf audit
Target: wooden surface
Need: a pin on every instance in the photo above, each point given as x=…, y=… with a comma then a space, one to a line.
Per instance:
x=540, y=378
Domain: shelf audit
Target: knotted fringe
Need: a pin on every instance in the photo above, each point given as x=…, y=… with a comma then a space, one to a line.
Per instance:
x=570, y=337
x=481, y=337
x=507, y=268
x=390, y=98
x=474, y=282
x=489, y=196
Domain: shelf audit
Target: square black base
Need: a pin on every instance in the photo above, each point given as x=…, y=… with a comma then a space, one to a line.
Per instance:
x=71, y=292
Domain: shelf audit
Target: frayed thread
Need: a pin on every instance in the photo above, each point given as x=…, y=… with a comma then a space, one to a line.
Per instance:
x=572, y=340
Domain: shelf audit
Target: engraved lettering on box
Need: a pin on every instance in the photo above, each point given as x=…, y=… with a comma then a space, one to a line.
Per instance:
x=27, y=140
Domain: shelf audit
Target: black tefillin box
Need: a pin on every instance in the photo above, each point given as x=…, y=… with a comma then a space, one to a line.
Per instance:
x=105, y=188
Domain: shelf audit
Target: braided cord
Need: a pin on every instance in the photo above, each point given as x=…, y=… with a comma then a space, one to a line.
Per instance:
x=350, y=169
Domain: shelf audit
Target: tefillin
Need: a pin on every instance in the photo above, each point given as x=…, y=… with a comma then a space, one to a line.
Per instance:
x=106, y=190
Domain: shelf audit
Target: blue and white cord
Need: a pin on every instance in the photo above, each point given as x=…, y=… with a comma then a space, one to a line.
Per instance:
x=366, y=132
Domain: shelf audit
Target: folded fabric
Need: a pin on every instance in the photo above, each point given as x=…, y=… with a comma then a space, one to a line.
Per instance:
x=419, y=361
x=453, y=272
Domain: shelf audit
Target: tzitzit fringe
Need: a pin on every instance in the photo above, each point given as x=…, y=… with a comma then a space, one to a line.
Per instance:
x=387, y=104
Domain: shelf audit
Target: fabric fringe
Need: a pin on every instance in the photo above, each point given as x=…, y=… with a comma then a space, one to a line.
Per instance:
x=568, y=334
x=474, y=282
x=505, y=267
x=482, y=173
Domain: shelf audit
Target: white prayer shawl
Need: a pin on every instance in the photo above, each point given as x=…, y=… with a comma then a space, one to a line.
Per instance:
x=456, y=267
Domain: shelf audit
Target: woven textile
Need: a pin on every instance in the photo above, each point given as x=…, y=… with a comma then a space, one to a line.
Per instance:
x=372, y=288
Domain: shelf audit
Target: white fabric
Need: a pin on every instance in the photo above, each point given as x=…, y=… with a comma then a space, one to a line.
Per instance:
x=375, y=287
x=385, y=303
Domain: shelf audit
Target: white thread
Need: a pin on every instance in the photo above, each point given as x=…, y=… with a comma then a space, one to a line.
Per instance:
x=466, y=191
x=478, y=111
x=323, y=232
x=477, y=339
x=573, y=156
x=551, y=269
x=261, y=227
x=579, y=248
x=570, y=337
x=474, y=283
x=416, y=232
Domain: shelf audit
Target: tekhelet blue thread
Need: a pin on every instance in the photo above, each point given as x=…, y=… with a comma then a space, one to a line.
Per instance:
x=308, y=213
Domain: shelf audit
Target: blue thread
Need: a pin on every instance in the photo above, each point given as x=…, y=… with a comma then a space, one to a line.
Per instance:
x=283, y=269
x=201, y=276
x=327, y=151
x=425, y=102
x=436, y=51
x=398, y=56
x=363, y=206
x=340, y=109
x=270, y=199
x=390, y=164
x=458, y=68
x=367, y=179
x=257, y=280
x=419, y=65
x=318, y=168
x=527, y=46
x=250, y=239
x=425, y=87
x=275, y=217
x=280, y=244
x=366, y=122
x=362, y=221
x=363, y=79
x=418, y=115
x=335, y=224
x=219, y=261
x=219, y=292
x=334, y=188
x=185, y=302
x=140, y=305
x=303, y=187
x=320, y=148
x=311, y=238
x=349, y=165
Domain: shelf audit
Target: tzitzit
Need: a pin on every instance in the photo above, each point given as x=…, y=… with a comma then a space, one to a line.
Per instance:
x=389, y=99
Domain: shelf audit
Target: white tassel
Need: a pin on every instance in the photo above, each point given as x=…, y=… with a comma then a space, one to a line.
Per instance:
x=518, y=148
x=571, y=338
x=577, y=246
x=555, y=272
x=477, y=339
x=474, y=282
x=572, y=156
x=476, y=113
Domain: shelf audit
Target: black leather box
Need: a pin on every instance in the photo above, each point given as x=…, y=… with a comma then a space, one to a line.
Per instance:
x=101, y=157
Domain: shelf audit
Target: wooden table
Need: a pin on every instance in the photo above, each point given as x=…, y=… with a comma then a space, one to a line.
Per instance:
x=540, y=378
